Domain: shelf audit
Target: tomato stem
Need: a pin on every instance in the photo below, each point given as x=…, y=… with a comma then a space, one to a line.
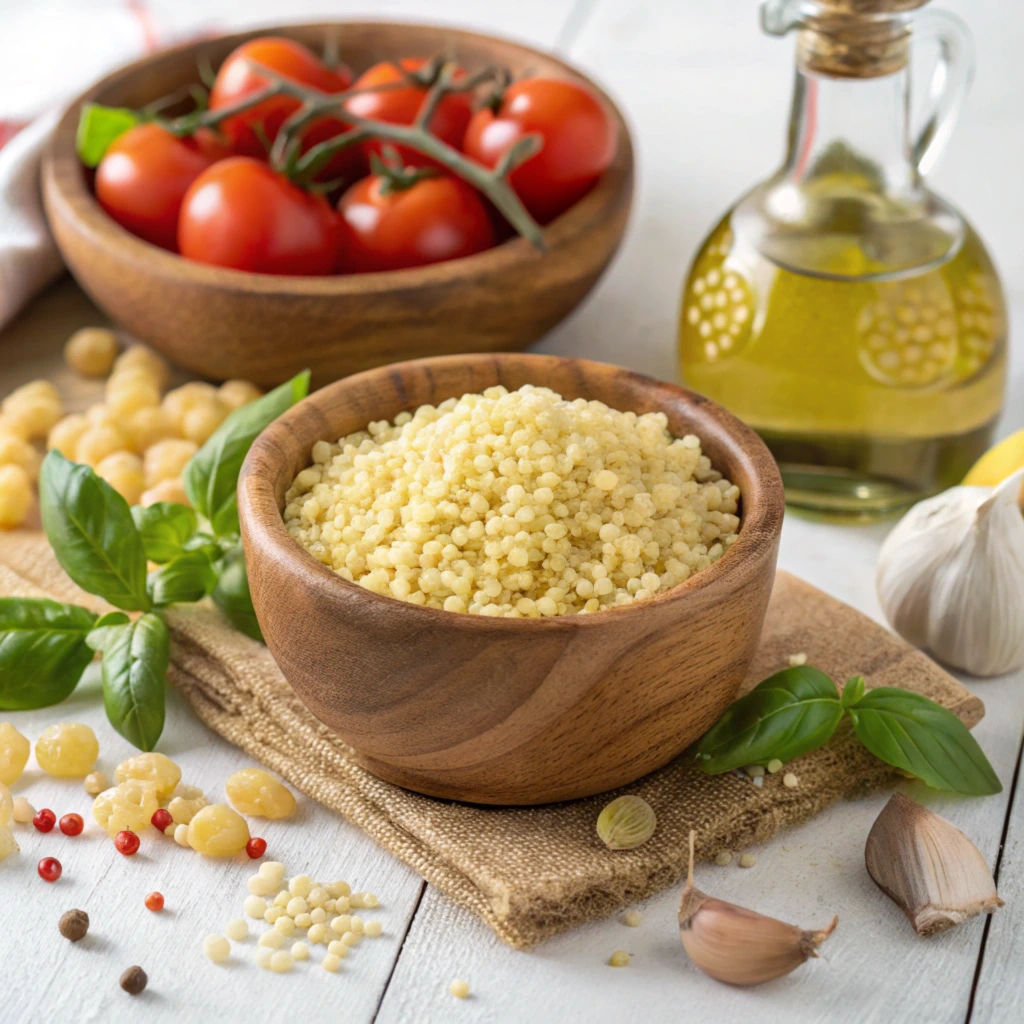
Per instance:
x=438, y=77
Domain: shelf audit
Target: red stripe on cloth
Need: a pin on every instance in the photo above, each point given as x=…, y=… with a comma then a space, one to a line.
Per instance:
x=150, y=36
x=8, y=129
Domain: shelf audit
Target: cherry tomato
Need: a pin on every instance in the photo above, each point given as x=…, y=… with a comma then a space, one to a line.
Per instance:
x=238, y=78
x=240, y=214
x=579, y=141
x=400, y=106
x=437, y=218
x=143, y=178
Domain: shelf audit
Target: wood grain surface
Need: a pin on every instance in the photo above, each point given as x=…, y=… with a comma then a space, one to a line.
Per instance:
x=426, y=697
x=223, y=323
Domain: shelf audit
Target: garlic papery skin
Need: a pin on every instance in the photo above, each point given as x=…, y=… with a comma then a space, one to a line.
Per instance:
x=740, y=946
x=950, y=577
x=928, y=867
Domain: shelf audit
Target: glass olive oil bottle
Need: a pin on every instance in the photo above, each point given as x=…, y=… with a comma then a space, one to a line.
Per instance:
x=850, y=315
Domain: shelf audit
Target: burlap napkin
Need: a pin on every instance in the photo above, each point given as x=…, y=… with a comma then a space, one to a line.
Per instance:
x=533, y=872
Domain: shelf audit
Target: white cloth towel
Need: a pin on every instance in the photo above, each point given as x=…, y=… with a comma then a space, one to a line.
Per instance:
x=28, y=256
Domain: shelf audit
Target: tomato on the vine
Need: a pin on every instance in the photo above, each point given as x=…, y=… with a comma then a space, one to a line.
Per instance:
x=142, y=180
x=241, y=214
x=238, y=78
x=386, y=225
x=401, y=105
x=579, y=141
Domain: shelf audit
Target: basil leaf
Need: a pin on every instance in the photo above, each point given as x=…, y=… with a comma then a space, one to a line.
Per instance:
x=135, y=660
x=852, y=691
x=90, y=528
x=211, y=476
x=43, y=651
x=165, y=527
x=919, y=736
x=232, y=595
x=787, y=715
x=98, y=127
x=190, y=577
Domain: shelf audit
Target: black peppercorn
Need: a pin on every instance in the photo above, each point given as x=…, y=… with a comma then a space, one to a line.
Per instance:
x=134, y=980
x=74, y=925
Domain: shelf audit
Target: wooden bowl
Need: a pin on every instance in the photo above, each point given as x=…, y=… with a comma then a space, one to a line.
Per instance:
x=508, y=711
x=225, y=323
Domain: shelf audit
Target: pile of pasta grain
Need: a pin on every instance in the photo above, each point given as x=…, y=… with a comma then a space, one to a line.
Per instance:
x=516, y=504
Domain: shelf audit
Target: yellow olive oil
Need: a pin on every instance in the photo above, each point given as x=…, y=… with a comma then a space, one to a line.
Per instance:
x=874, y=372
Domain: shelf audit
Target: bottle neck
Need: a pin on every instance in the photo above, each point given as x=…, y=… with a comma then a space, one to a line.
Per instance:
x=852, y=132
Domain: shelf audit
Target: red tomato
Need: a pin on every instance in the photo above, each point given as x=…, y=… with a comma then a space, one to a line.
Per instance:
x=435, y=219
x=238, y=78
x=240, y=214
x=143, y=178
x=579, y=141
x=400, y=106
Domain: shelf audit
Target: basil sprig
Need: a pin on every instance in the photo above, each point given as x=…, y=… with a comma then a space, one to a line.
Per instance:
x=789, y=714
x=798, y=710
x=43, y=652
x=104, y=546
x=211, y=476
x=92, y=533
x=135, y=659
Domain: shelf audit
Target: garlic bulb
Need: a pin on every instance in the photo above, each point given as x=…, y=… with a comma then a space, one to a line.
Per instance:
x=950, y=577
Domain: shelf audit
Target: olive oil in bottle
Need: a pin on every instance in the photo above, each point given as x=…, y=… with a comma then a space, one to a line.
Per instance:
x=848, y=314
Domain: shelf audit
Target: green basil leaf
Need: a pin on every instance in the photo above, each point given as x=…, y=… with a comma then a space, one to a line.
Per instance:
x=92, y=533
x=919, y=736
x=211, y=476
x=98, y=127
x=165, y=527
x=787, y=715
x=190, y=577
x=232, y=595
x=43, y=651
x=853, y=691
x=135, y=660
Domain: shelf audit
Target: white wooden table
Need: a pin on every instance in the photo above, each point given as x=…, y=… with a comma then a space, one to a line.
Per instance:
x=707, y=97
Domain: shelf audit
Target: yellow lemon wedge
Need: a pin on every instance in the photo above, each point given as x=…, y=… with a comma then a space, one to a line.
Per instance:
x=998, y=462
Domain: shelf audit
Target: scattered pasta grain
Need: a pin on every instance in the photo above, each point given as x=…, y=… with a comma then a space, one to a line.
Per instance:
x=790, y=781
x=632, y=918
x=459, y=988
x=798, y=659
x=619, y=958
x=747, y=860
x=723, y=858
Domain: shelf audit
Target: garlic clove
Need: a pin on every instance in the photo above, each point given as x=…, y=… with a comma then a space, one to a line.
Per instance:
x=740, y=946
x=950, y=577
x=928, y=867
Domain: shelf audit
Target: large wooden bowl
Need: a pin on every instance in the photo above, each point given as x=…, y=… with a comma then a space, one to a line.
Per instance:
x=223, y=323
x=508, y=711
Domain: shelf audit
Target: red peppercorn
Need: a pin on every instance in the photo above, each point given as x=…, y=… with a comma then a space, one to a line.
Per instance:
x=256, y=848
x=49, y=869
x=44, y=820
x=72, y=824
x=155, y=901
x=161, y=819
x=127, y=843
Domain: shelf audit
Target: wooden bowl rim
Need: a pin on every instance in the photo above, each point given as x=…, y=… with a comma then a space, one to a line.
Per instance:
x=62, y=168
x=258, y=507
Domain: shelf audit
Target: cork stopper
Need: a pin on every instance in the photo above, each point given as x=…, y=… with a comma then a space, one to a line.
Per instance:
x=846, y=38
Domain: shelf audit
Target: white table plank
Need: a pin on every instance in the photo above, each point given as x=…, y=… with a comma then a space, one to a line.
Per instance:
x=1000, y=995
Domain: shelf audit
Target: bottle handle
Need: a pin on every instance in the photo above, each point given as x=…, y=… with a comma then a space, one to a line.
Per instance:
x=950, y=83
